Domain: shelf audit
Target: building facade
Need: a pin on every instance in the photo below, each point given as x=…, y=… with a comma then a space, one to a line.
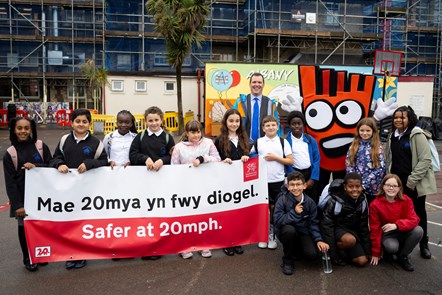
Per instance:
x=44, y=42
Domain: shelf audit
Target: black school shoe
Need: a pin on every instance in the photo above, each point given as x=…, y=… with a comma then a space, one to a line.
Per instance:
x=31, y=267
x=287, y=268
x=75, y=264
x=405, y=263
x=229, y=251
x=155, y=257
x=238, y=250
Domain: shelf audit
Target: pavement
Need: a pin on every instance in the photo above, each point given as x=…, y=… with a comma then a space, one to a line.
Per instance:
x=257, y=271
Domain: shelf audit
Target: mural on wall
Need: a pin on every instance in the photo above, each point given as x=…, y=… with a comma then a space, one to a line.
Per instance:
x=226, y=82
x=34, y=110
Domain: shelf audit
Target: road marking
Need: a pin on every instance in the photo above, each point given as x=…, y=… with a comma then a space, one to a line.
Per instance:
x=432, y=205
x=435, y=223
x=435, y=244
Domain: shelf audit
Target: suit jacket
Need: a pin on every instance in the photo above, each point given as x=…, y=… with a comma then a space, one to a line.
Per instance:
x=265, y=110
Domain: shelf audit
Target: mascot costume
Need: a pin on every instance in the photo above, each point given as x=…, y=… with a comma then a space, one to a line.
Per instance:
x=333, y=102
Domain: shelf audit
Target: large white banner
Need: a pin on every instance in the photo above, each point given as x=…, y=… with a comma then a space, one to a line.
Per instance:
x=129, y=212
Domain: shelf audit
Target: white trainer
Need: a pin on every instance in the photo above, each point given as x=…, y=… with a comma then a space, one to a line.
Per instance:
x=262, y=245
x=272, y=243
x=206, y=253
x=186, y=255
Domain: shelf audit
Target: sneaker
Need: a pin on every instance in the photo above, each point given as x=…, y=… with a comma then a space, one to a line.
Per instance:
x=405, y=263
x=70, y=264
x=287, y=268
x=80, y=263
x=206, y=253
x=262, y=245
x=186, y=255
x=272, y=242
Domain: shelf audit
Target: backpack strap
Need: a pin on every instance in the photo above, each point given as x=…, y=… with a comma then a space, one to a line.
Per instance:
x=109, y=143
x=99, y=150
x=13, y=153
x=62, y=141
x=338, y=208
x=282, y=144
x=39, y=147
x=364, y=205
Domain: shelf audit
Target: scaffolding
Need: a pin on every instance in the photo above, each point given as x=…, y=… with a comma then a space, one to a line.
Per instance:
x=43, y=42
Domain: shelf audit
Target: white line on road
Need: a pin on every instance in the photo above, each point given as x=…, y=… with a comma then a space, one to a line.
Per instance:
x=435, y=223
x=432, y=205
x=435, y=244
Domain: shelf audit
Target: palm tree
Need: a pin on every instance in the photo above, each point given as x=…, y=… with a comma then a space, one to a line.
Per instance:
x=180, y=22
x=96, y=78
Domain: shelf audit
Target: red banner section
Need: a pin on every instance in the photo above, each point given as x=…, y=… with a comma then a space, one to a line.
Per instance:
x=132, y=237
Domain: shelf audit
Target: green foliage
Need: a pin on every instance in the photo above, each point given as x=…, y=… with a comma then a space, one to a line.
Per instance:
x=180, y=23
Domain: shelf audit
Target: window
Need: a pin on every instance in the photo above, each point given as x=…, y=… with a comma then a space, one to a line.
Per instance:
x=123, y=62
x=332, y=13
x=169, y=87
x=140, y=85
x=117, y=85
x=79, y=91
x=160, y=59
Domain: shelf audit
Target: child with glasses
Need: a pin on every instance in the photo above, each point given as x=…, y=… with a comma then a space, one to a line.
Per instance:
x=296, y=223
x=394, y=228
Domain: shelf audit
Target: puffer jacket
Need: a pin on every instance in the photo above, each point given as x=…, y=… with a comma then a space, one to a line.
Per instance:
x=352, y=218
x=305, y=223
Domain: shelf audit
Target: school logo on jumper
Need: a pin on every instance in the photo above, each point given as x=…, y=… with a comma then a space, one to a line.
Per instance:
x=44, y=251
x=251, y=169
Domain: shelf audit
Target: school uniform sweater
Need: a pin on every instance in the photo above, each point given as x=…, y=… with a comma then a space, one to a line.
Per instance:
x=400, y=212
x=235, y=151
x=15, y=179
x=152, y=146
x=421, y=176
x=74, y=154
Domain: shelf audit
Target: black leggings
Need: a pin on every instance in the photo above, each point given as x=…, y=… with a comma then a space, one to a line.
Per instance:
x=23, y=244
x=419, y=208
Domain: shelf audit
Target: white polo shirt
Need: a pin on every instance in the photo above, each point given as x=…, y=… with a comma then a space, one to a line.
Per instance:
x=301, y=157
x=275, y=170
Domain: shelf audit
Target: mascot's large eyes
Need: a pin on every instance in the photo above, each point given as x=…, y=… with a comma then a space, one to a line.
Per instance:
x=348, y=113
x=319, y=115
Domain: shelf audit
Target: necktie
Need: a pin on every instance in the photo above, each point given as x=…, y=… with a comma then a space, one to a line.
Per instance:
x=255, y=120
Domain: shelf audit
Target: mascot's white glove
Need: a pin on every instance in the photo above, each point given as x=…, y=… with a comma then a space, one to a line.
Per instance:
x=290, y=103
x=385, y=109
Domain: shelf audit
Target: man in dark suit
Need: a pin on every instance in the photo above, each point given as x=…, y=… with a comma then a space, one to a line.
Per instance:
x=265, y=106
